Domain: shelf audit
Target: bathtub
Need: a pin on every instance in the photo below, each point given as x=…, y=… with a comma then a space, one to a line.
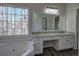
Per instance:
x=30, y=50
x=17, y=48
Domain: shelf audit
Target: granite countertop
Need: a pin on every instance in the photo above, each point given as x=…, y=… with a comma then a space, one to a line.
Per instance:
x=51, y=34
x=49, y=31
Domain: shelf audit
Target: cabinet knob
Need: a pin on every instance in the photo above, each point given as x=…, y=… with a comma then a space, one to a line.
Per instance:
x=13, y=50
x=67, y=40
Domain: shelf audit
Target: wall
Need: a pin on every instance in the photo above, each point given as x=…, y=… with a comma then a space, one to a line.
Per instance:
x=71, y=20
x=62, y=22
x=78, y=28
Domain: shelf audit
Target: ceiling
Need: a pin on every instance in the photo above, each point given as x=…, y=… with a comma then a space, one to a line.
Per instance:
x=38, y=7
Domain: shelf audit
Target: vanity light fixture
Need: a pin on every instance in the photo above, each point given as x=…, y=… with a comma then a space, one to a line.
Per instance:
x=51, y=10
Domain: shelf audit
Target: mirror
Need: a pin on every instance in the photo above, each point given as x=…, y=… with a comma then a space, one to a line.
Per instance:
x=47, y=22
x=52, y=24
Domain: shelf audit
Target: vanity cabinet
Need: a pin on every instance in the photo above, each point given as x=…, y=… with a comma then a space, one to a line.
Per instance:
x=59, y=42
x=65, y=42
x=38, y=45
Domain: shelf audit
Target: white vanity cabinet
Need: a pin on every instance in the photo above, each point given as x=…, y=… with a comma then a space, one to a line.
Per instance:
x=65, y=42
x=38, y=45
x=59, y=42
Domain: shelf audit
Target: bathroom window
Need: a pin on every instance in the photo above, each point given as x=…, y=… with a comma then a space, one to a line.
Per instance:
x=13, y=21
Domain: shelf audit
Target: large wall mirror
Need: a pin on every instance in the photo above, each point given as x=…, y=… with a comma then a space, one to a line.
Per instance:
x=45, y=22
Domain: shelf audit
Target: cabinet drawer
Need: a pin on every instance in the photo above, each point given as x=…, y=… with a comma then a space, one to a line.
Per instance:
x=66, y=43
x=45, y=38
x=67, y=37
x=69, y=43
x=51, y=38
x=55, y=38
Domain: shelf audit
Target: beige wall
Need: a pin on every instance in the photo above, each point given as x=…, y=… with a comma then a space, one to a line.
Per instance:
x=71, y=20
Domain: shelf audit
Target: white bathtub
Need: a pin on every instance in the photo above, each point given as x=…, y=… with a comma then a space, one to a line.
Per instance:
x=18, y=48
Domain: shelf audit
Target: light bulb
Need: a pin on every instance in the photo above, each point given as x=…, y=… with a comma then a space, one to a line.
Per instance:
x=51, y=11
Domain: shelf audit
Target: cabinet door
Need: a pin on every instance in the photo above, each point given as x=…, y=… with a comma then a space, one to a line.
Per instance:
x=35, y=43
x=38, y=45
x=41, y=45
x=69, y=42
x=66, y=42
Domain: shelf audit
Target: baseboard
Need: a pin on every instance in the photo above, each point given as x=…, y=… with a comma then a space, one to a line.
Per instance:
x=67, y=49
x=74, y=49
